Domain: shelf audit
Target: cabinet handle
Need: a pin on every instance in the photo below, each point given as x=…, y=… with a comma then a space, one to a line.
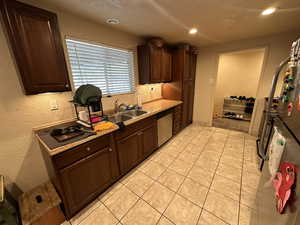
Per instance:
x=88, y=149
x=110, y=150
x=67, y=86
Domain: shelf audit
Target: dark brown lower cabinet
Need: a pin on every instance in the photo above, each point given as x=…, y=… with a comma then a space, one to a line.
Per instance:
x=81, y=173
x=129, y=152
x=140, y=142
x=177, y=121
x=87, y=178
x=149, y=140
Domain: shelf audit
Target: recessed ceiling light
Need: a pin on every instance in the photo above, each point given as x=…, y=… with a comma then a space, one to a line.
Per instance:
x=268, y=11
x=193, y=31
x=112, y=21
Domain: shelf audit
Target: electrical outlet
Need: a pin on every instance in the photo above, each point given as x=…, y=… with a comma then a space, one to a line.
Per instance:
x=53, y=105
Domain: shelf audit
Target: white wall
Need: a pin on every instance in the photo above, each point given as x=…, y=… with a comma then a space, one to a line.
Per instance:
x=20, y=157
x=238, y=75
x=278, y=47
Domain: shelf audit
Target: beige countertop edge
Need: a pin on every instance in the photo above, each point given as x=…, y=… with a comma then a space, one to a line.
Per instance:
x=61, y=149
x=152, y=108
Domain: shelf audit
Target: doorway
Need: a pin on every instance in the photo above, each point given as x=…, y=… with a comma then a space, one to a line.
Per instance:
x=236, y=88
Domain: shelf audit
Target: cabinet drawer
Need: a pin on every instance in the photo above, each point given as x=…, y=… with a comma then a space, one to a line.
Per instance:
x=130, y=129
x=74, y=154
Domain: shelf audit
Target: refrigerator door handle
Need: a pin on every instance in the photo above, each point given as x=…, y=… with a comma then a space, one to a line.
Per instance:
x=269, y=107
x=264, y=156
x=257, y=149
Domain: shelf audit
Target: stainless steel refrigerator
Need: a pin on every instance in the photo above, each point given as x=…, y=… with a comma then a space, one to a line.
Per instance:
x=287, y=121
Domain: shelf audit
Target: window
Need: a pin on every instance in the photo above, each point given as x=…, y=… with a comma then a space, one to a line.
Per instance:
x=110, y=69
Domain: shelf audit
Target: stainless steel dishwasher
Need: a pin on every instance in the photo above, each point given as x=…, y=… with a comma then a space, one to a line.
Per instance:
x=164, y=127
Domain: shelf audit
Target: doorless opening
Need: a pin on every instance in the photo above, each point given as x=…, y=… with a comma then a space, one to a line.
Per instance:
x=237, y=83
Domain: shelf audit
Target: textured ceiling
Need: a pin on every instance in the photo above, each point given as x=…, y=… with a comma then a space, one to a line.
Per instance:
x=217, y=20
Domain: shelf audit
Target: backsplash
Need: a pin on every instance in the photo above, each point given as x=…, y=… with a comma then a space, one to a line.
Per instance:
x=149, y=92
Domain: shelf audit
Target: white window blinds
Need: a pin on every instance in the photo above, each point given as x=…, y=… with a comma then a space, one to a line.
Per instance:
x=110, y=69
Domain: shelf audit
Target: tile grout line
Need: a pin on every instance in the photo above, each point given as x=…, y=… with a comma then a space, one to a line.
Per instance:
x=92, y=211
x=173, y=191
x=97, y=199
x=166, y=168
x=186, y=176
x=194, y=164
x=139, y=197
x=240, y=199
x=212, y=182
x=225, y=177
x=154, y=180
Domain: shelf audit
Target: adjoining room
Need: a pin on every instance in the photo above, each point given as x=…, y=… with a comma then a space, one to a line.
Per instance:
x=236, y=89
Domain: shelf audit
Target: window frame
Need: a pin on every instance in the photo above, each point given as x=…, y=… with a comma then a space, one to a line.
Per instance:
x=132, y=50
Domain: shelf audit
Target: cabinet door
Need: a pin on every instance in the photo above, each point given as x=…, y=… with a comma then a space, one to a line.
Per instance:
x=191, y=90
x=149, y=140
x=155, y=64
x=186, y=69
x=129, y=152
x=166, y=72
x=185, y=104
x=177, y=120
x=85, y=179
x=36, y=42
x=193, y=63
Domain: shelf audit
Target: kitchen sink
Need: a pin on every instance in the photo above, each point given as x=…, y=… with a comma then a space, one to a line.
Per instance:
x=119, y=117
x=135, y=113
x=123, y=116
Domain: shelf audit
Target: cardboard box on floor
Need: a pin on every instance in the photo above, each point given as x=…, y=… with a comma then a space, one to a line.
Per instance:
x=40, y=206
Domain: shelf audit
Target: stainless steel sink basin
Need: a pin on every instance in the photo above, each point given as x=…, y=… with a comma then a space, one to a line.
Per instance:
x=123, y=116
x=135, y=113
x=116, y=118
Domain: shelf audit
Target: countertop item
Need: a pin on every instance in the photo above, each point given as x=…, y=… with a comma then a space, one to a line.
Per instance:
x=104, y=126
x=152, y=108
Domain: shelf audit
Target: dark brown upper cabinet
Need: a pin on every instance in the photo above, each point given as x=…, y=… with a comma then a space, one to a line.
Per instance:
x=37, y=46
x=155, y=62
x=166, y=75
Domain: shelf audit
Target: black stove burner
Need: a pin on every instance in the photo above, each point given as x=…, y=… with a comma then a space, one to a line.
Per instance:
x=67, y=133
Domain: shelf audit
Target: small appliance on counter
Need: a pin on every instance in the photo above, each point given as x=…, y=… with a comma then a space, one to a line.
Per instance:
x=89, y=98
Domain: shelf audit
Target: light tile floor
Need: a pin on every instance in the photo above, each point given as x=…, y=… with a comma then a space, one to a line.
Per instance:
x=203, y=176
